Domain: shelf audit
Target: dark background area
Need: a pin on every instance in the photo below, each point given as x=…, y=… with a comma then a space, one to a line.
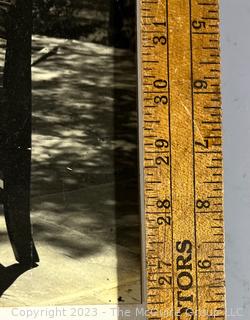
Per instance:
x=110, y=22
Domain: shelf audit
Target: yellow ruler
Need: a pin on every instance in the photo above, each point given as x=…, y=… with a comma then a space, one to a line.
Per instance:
x=183, y=175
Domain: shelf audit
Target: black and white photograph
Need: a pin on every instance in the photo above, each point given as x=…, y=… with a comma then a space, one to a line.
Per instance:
x=70, y=221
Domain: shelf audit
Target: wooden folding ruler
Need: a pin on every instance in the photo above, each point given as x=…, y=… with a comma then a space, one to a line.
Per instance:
x=183, y=174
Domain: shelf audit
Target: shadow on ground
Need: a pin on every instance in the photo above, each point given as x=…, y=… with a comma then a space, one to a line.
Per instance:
x=85, y=163
x=9, y=275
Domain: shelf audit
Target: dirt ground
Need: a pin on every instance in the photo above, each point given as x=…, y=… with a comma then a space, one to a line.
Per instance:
x=85, y=211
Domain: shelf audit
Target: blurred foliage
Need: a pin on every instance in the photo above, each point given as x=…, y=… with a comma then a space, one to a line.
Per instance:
x=110, y=22
x=56, y=18
x=122, y=28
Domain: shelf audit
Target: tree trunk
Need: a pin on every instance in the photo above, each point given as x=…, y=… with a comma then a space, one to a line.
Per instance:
x=17, y=144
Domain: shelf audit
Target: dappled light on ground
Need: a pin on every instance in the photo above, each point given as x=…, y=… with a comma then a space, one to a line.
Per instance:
x=73, y=114
x=84, y=159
